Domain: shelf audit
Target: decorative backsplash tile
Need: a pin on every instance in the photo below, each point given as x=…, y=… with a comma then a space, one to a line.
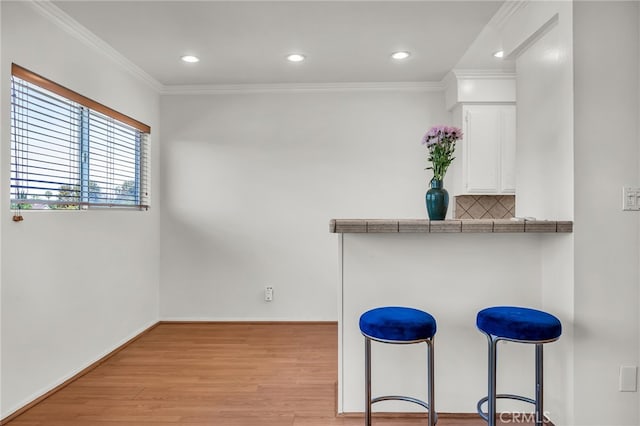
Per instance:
x=484, y=207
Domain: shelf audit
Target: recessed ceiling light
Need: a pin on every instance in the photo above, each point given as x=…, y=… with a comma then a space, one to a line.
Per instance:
x=499, y=54
x=400, y=55
x=295, y=57
x=191, y=59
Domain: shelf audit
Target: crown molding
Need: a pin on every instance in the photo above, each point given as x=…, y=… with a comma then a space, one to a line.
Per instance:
x=483, y=74
x=54, y=14
x=220, y=89
x=506, y=11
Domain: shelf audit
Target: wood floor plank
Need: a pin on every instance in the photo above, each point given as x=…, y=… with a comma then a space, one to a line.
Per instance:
x=228, y=374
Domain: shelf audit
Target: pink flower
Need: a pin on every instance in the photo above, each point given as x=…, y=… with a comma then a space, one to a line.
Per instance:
x=441, y=142
x=437, y=134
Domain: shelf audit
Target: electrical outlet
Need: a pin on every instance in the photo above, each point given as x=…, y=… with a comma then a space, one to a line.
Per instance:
x=268, y=293
x=628, y=378
x=630, y=198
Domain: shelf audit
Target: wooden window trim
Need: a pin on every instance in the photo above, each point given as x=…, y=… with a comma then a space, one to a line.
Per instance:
x=45, y=83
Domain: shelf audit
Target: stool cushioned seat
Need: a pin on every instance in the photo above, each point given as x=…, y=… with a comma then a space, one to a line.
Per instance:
x=518, y=323
x=397, y=324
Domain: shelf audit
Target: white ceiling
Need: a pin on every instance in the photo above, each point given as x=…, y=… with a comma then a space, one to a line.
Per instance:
x=245, y=42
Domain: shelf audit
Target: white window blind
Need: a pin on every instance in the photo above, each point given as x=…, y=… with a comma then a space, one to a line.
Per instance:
x=67, y=155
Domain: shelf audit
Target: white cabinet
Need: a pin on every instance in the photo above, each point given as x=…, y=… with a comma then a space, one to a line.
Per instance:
x=487, y=152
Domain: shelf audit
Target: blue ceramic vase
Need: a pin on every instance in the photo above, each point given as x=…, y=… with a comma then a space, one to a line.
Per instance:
x=437, y=199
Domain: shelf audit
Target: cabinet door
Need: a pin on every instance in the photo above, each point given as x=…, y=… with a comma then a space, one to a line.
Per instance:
x=508, y=150
x=481, y=148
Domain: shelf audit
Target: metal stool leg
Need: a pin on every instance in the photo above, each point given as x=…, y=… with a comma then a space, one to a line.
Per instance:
x=428, y=404
x=491, y=395
x=431, y=385
x=367, y=380
x=539, y=393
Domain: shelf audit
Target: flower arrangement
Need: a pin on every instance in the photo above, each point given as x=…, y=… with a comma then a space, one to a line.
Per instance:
x=441, y=142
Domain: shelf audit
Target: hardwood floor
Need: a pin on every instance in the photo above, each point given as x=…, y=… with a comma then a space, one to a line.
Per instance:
x=228, y=374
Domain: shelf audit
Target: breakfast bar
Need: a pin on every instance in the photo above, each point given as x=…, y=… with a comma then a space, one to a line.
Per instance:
x=343, y=226
x=451, y=269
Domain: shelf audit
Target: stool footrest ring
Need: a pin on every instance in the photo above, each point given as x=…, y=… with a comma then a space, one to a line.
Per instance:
x=485, y=415
x=404, y=398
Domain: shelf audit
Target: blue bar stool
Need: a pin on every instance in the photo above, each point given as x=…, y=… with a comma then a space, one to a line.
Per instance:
x=398, y=325
x=522, y=325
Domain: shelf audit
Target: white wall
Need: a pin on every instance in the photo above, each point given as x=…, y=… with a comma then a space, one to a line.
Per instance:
x=539, y=38
x=250, y=182
x=75, y=285
x=2, y=109
x=606, y=238
x=544, y=82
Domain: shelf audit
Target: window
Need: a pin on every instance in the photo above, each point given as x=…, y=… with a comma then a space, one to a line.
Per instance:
x=69, y=152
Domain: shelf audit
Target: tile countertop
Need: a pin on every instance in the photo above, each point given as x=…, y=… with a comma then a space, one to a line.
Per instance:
x=370, y=226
